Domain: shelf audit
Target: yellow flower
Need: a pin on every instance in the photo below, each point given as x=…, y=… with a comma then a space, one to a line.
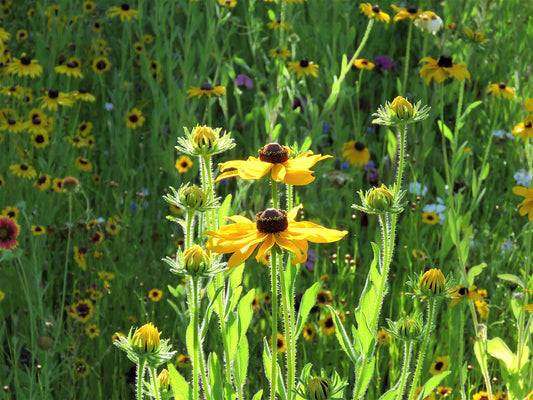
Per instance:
x=279, y=52
x=43, y=182
x=303, y=67
x=227, y=3
x=528, y=104
x=281, y=345
x=440, y=365
x=356, y=153
x=38, y=230
x=439, y=69
x=206, y=89
x=88, y=6
x=54, y=99
x=383, y=337
x=83, y=164
x=183, y=164
x=482, y=309
x=71, y=68
x=363, y=63
x=374, y=12
x=101, y=65
x=430, y=218
x=147, y=338
x=134, y=119
x=403, y=13
x=327, y=324
x=462, y=293
x=25, y=67
x=500, y=89
x=271, y=227
x=22, y=34
x=274, y=158
x=23, y=170
x=309, y=332
x=524, y=129
x=444, y=391
x=92, y=331
x=481, y=395
x=278, y=25
x=155, y=295
x=124, y=12
x=475, y=36
x=526, y=207
x=432, y=281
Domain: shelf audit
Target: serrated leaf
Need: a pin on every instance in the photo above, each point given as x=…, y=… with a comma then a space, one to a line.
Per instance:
x=433, y=382
x=235, y=277
x=307, y=303
x=180, y=387
x=475, y=271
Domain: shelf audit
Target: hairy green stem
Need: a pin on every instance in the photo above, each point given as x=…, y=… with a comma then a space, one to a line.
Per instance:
x=196, y=340
x=405, y=369
x=289, y=331
x=274, y=366
x=140, y=378
x=155, y=383
x=407, y=54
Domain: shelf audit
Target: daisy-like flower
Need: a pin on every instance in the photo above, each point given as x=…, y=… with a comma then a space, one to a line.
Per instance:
x=384, y=337
x=444, y=391
x=404, y=13
x=38, y=230
x=134, y=119
x=281, y=344
x=274, y=158
x=138, y=47
x=25, y=67
x=526, y=207
x=9, y=230
x=524, y=129
x=271, y=227
x=374, y=12
x=148, y=39
x=83, y=95
x=475, y=36
x=106, y=275
x=183, y=164
x=13, y=91
x=206, y=89
x=83, y=164
x=124, y=12
x=440, y=365
x=88, y=7
x=227, y=3
x=38, y=122
x=81, y=368
x=82, y=310
x=57, y=185
x=430, y=218
x=40, y=140
x=327, y=325
x=84, y=128
x=462, y=292
x=97, y=27
x=482, y=395
x=303, y=67
x=11, y=212
x=113, y=225
x=71, y=68
x=280, y=52
x=441, y=68
x=356, y=153
x=482, y=309
x=183, y=361
x=101, y=65
x=43, y=182
x=92, y=331
x=12, y=123
x=80, y=256
x=309, y=332
x=54, y=99
x=23, y=170
x=363, y=63
x=274, y=25
x=155, y=295
x=500, y=90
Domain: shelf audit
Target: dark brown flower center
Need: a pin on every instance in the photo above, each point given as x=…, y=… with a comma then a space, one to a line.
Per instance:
x=329, y=323
x=24, y=167
x=430, y=217
x=206, y=86
x=36, y=120
x=39, y=139
x=304, y=63
x=271, y=221
x=101, y=65
x=125, y=7
x=412, y=10
x=528, y=125
x=463, y=291
x=82, y=310
x=445, y=62
x=11, y=121
x=24, y=60
x=439, y=365
x=5, y=233
x=41, y=180
x=82, y=90
x=133, y=118
x=359, y=146
x=502, y=85
x=13, y=89
x=73, y=64
x=280, y=343
x=376, y=9
x=53, y=93
x=274, y=153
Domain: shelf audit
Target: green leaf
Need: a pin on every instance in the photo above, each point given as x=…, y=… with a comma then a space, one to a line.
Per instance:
x=469, y=109
x=240, y=364
x=180, y=387
x=511, y=278
x=445, y=130
x=391, y=143
x=275, y=131
x=433, y=382
x=342, y=336
x=306, y=144
x=189, y=340
x=392, y=393
x=232, y=334
x=233, y=299
x=209, y=311
x=364, y=370
x=475, y=271
x=497, y=348
x=215, y=378
x=224, y=210
x=267, y=363
x=307, y=303
x=258, y=395
x=235, y=278
x=485, y=171
x=245, y=313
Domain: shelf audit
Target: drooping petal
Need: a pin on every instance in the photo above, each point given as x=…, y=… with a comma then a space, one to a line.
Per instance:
x=240, y=256
x=278, y=172
x=265, y=247
x=292, y=214
x=291, y=246
x=299, y=177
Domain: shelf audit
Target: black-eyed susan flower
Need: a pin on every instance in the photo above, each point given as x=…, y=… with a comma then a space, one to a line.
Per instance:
x=101, y=65
x=526, y=207
x=227, y=3
x=374, y=12
x=11, y=212
x=12, y=123
x=183, y=164
x=4, y=35
x=183, y=361
x=274, y=25
x=274, y=159
x=92, y=331
x=206, y=89
x=82, y=310
x=155, y=295
x=272, y=227
x=279, y=52
x=124, y=12
x=356, y=153
x=81, y=368
x=38, y=122
x=15, y=91
x=384, y=337
x=482, y=292
x=440, y=365
x=88, y=7
x=54, y=99
x=134, y=119
x=38, y=230
x=9, y=231
x=148, y=39
x=40, y=140
x=113, y=225
x=475, y=36
x=70, y=68
x=97, y=27
x=83, y=164
x=327, y=324
x=450, y=25
x=303, y=67
x=84, y=128
x=500, y=90
x=96, y=238
x=404, y=13
x=25, y=67
x=309, y=332
x=56, y=185
x=138, y=47
x=43, y=182
x=83, y=95
x=430, y=217
x=482, y=395
x=462, y=292
x=441, y=68
x=80, y=256
x=23, y=170
x=323, y=297
x=444, y=391
x=281, y=344
x=106, y=275
x=363, y=63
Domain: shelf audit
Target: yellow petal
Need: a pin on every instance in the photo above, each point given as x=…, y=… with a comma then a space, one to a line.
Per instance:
x=291, y=216
x=278, y=172
x=265, y=247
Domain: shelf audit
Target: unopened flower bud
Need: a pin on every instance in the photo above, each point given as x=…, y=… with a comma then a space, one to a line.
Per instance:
x=432, y=281
x=70, y=183
x=380, y=198
x=204, y=136
x=409, y=328
x=196, y=259
x=164, y=379
x=318, y=389
x=146, y=338
x=193, y=197
x=402, y=107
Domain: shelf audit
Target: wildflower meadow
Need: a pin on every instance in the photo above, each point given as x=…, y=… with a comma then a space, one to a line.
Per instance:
x=266, y=199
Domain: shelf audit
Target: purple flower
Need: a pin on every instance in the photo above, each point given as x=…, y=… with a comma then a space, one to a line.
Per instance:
x=311, y=258
x=325, y=127
x=345, y=165
x=385, y=63
x=243, y=80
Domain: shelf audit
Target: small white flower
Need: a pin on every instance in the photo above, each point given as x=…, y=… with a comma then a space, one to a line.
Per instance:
x=502, y=134
x=109, y=106
x=429, y=22
x=417, y=188
x=523, y=178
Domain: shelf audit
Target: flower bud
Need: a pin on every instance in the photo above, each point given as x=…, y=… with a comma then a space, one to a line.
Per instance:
x=318, y=389
x=409, y=328
x=402, y=107
x=380, y=198
x=204, y=136
x=193, y=197
x=146, y=338
x=432, y=281
x=196, y=259
x=164, y=379
x=70, y=183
